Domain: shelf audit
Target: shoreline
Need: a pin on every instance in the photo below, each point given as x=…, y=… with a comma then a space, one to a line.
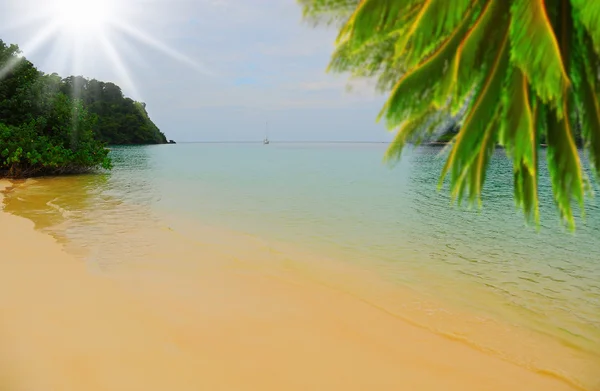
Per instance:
x=197, y=323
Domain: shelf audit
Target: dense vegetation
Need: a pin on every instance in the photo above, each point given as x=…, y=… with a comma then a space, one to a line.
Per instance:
x=520, y=71
x=50, y=125
x=120, y=120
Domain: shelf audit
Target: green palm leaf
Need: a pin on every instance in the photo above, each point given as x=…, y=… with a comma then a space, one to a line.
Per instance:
x=518, y=135
x=589, y=14
x=517, y=71
x=535, y=50
x=436, y=20
x=475, y=54
x=468, y=156
x=381, y=16
x=564, y=164
x=587, y=91
x=414, y=93
x=409, y=132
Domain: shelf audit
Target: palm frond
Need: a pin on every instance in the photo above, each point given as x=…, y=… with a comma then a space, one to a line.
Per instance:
x=516, y=72
x=567, y=178
x=409, y=132
x=474, y=54
x=414, y=92
x=327, y=11
x=518, y=135
x=377, y=16
x=535, y=50
x=478, y=130
x=435, y=21
x=587, y=91
x=588, y=12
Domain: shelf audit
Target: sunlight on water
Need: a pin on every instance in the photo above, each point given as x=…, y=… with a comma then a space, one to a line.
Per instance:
x=474, y=275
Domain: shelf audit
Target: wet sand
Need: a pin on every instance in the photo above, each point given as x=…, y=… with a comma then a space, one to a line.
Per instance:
x=207, y=323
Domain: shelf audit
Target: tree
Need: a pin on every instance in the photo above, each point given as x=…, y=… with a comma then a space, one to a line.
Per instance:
x=522, y=70
x=121, y=120
x=42, y=130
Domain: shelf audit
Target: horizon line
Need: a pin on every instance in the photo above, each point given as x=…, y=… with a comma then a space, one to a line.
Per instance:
x=284, y=142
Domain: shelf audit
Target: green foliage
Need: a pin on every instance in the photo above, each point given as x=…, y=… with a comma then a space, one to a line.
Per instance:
x=50, y=125
x=25, y=151
x=42, y=130
x=120, y=120
x=328, y=11
x=523, y=72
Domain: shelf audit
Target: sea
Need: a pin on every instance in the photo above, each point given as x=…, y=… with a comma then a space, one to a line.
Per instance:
x=339, y=214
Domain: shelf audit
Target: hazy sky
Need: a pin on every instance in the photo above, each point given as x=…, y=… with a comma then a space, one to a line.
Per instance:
x=209, y=69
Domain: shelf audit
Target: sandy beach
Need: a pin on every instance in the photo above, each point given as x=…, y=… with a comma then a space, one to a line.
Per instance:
x=189, y=327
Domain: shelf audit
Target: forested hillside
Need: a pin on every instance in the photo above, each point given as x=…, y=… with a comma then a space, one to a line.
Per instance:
x=42, y=130
x=50, y=125
x=121, y=120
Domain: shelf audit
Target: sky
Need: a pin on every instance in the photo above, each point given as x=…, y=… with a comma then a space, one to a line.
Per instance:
x=208, y=70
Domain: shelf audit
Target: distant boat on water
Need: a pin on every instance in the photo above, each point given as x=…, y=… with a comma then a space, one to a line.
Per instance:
x=266, y=140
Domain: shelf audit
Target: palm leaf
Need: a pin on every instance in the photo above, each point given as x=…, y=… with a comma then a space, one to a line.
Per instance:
x=474, y=136
x=414, y=92
x=435, y=21
x=369, y=60
x=531, y=67
x=475, y=54
x=377, y=16
x=409, y=132
x=472, y=176
x=535, y=50
x=518, y=135
x=327, y=11
x=588, y=12
x=564, y=164
x=586, y=86
x=525, y=190
x=590, y=119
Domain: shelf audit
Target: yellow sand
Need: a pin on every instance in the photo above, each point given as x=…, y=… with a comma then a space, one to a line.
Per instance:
x=64, y=327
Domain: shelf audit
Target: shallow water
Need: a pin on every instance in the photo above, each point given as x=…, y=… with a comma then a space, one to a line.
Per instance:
x=479, y=276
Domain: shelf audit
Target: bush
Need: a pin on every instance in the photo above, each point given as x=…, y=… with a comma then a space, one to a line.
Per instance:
x=42, y=130
x=52, y=145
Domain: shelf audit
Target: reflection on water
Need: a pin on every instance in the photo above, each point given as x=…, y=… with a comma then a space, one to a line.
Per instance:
x=96, y=216
x=47, y=199
x=342, y=202
x=550, y=272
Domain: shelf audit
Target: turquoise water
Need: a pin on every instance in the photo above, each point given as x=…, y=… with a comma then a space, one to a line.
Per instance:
x=342, y=201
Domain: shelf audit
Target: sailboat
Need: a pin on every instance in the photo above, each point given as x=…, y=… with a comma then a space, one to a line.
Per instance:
x=266, y=140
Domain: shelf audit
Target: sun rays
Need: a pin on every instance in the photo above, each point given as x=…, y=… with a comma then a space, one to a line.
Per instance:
x=77, y=29
x=84, y=16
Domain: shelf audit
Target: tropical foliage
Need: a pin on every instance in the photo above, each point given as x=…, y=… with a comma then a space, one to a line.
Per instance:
x=121, y=120
x=520, y=71
x=43, y=131
x=50, y=125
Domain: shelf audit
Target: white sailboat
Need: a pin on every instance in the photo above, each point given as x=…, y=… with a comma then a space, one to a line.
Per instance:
x=266, y=140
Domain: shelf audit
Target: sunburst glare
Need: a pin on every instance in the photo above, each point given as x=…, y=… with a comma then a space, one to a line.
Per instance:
x=84, y=16
x=80, y=29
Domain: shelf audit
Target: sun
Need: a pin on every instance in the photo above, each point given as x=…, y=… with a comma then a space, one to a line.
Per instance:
x=86, y=17
x=77, y=34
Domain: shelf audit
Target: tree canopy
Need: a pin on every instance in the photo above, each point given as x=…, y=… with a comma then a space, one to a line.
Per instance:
x=514, y=71
x=121, y=120
x=42, y=131
x=50, y=125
